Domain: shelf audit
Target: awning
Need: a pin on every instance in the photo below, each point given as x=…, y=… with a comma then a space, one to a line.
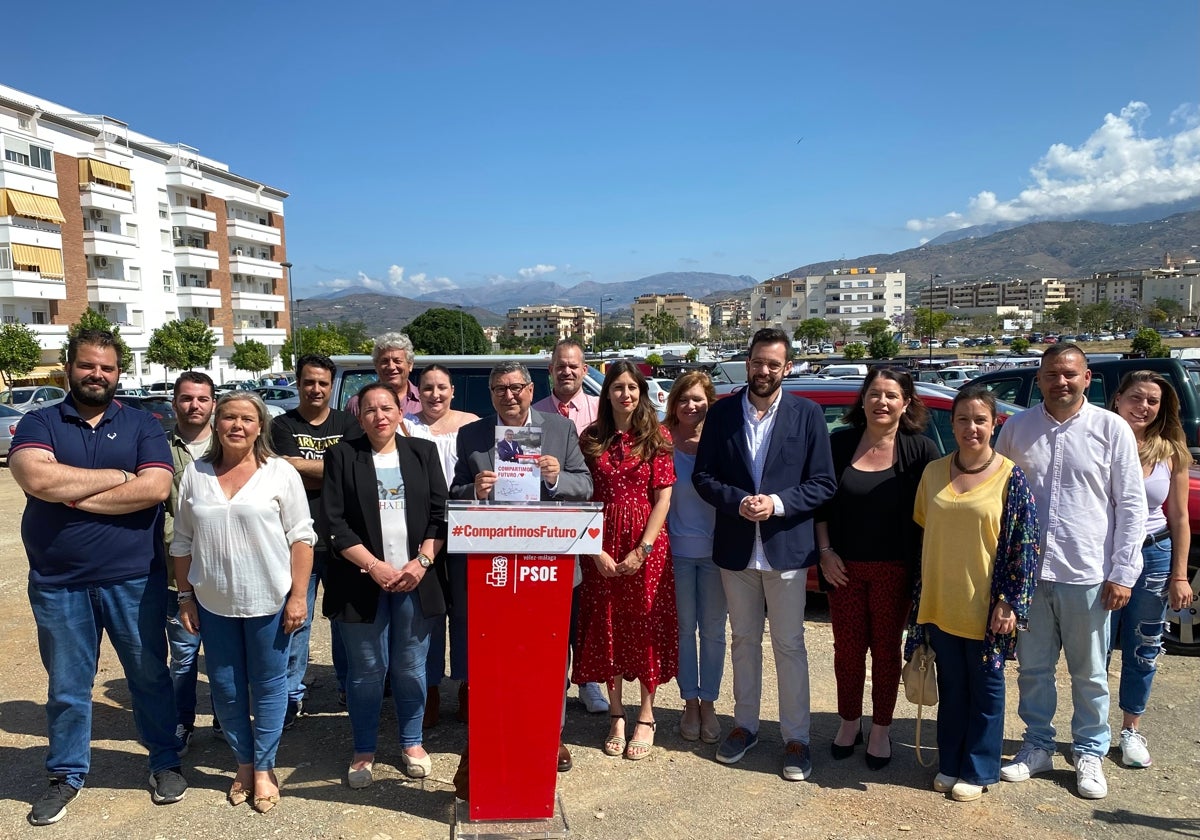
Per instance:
x=52, y=372
x=99, y=170
x=31, y=205
x=47, y=261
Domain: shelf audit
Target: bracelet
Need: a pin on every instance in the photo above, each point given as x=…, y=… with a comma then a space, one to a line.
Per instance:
x=1183, y=580
x=125, y=476
x=366, y=570
x=185, y=595
x=825, y=548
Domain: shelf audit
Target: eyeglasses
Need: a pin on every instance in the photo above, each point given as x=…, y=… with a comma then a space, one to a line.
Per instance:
x=513, y=390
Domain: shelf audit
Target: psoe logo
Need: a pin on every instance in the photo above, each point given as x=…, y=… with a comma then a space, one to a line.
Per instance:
x=498, y=576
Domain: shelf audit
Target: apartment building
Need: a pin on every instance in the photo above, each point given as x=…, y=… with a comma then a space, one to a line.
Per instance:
x=93, y=214
x=552, y=322
x=730, y=314
x=1175, y=280
x=692, y=316
x=846, y=297
x=1029, y=298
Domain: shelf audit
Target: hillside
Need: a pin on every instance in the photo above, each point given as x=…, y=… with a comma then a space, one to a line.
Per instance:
x=378, y=313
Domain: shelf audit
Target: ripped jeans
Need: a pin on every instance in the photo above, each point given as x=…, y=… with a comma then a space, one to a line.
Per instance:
x=1137, y=628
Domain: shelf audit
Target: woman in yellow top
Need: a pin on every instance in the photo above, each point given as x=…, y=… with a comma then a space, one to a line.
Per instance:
x=979, y=556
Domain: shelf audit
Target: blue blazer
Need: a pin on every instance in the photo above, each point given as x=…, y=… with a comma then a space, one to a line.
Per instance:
x=798, y=468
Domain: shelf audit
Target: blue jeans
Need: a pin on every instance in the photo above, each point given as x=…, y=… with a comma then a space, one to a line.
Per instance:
x=395, y=645
x=456, y=617
x=246, y=660
x=700, y=602
x=1069, y=618
x=184, y=665
x=71, y=621
x=970, y=719
x=1137, y=628
x=298, y=654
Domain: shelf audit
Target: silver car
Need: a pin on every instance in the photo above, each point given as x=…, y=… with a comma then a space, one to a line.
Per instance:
x=279, y=395
x=9, y=418
x=29, y=397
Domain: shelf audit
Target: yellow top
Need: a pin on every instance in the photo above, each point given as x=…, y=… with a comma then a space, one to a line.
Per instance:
x=959, y=549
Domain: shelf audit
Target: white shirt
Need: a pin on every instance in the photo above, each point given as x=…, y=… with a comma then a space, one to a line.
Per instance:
x=241, y=547
x=758, y=440
x=1087, y=481
x=446, y=444
x=392, y=521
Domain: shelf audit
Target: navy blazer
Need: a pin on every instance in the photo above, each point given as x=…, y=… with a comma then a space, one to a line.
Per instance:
x=798, y=468
x=350, y=516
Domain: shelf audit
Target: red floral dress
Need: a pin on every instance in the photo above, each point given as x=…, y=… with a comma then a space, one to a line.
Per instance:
x=627, y=624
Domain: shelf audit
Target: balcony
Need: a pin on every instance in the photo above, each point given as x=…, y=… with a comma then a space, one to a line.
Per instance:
x=190, y=256
x=96, y=196
x=186, y=173
x=260, y=234
x=255, y=267
x=257, y=301
x=31, y=284
x=50, y=336
x=200, y=297
x=100, y=243
x=107, y=287
x=22, y=231
x=20, y=176
x=246, y=330
x=194, y=217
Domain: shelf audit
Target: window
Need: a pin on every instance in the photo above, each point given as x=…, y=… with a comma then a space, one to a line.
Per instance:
x=40, y=317
x=5, y=258
x=24, y=123
x=168, y=281
x=131, y=230
x=164, y=212
x=41, y=158
x=164, y=239
x=135, y=275
x=16, y=157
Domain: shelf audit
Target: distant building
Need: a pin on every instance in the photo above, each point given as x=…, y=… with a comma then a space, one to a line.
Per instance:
x=1177, y=281
x=848, y=297
x=93, y=214
x=730, y=314
x=1030, y=298
x=692, y=316
x=552, y=322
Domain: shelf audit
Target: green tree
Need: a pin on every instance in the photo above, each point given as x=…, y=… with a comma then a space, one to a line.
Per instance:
x=325, y=339
x=883, y=346
x=1149, y=343
x=1094, y=316
x=1156, y=316
x=251, y=355
x=654, y=359
x=841, y=329
x=854, y=350
x=693, y=354
x=20, y=352
x=182, y=345
x=447, y=332
x=1126, y=314
x=93, y=320
x=662, y=326
x=355, y=333
x=874, y=327
x=813, y=331
x=929, y=323
x=1020, y=345
x=1066, y=315
x=1172, y=308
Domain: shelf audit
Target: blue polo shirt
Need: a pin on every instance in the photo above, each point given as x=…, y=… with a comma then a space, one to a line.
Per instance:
x=69, y=547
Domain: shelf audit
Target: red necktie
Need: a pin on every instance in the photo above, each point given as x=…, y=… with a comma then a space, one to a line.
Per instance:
x=564, y=409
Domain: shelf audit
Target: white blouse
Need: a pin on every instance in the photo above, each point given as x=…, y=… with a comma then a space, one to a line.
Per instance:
x=241, y=547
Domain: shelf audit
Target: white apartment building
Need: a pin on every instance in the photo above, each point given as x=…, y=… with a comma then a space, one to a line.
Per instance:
x=142, y=231
x=1177, y=281
x=1029, y=299
x=552, y=322
x=847, y=296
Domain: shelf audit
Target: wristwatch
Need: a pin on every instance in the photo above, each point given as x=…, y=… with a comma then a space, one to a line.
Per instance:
x=646, y=548
x=425, y=561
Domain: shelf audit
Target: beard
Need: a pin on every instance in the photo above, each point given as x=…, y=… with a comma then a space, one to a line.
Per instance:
x=92, y=393
x=765, y=386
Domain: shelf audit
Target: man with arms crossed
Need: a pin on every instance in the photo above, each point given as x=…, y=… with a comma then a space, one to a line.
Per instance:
x=301, y=437
x=764, y=463
x=1082, y=463
x=567, y=371
x=95, y=475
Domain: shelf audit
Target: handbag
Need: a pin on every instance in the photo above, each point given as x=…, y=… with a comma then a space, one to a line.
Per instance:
x=920, y=687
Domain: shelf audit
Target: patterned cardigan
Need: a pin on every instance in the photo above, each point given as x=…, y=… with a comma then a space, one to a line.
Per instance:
x=1014, y=574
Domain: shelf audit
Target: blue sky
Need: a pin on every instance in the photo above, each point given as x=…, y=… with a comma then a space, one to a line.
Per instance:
x=441, y=144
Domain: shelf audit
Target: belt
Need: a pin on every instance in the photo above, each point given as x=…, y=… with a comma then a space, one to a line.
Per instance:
x=1152, y=539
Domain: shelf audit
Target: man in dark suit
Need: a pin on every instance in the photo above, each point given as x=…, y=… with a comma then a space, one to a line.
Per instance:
x=764, y=463
x=565, y=475
x=508, y=449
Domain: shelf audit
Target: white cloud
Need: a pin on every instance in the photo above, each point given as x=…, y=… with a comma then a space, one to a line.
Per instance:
x=395, y=283
x=536, y=271
x=1116, y=168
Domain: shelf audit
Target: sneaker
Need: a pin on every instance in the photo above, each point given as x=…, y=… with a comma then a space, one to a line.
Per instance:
x=295, y=708
x=1089, y=777
x=167, y=786
x=1133, y=749
x=943, y=783
x=966, y=792
x=184, y=734
x=797, y=763
x=52, y=805
x=593, y=698
x=1029, y=761
x=736, y=744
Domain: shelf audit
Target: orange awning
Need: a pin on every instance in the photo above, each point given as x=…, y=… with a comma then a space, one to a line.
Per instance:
x=99, y=170
x=47, y=261
x=31, y=205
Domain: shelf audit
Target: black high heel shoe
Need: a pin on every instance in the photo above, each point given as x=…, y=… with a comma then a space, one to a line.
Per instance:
x=878, y=762
x=840, y=751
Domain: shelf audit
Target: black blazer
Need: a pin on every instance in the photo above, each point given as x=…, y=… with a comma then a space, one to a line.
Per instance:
x=350, y=517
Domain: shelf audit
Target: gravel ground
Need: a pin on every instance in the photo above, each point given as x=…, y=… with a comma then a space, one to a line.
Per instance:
x=679, y=792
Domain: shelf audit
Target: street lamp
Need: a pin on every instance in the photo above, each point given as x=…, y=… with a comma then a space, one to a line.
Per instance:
x=462, y=340
x=600, y=330
x=929, y=321
x=287, y=266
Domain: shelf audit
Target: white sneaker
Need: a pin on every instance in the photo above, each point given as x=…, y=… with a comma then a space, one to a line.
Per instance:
x=966, y=792
x=593, y=698
x=1089, y=777
x=1133, y=749
x=1029, y=761
x=943, y=783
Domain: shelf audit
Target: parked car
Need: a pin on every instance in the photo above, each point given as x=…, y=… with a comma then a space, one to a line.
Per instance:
x=159, y=407
x=161, y=389
x=9, y=418
x=285, y=398
x=29, y=397
x=132, y=392
x=959, y=375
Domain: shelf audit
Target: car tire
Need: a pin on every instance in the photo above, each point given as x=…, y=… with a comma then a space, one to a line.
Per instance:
x=1181, y=636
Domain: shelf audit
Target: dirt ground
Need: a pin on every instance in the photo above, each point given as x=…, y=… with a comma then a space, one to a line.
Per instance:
x=679, y=792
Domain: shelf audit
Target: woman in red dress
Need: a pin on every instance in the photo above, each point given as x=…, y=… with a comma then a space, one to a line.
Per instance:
x=627, y=624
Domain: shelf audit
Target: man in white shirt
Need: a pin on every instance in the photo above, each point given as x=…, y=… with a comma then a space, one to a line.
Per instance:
x=1082, y=464
x=567, y=372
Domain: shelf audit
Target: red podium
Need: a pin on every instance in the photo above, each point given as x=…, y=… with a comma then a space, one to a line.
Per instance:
x=520, y=571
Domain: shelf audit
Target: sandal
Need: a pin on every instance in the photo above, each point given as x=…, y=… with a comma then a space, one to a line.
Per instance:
x=614, y=745
x=238, y=794
x=637, y=743
x=263, y=804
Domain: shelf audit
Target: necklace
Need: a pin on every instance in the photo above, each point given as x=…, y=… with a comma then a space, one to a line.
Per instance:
x=976, y=470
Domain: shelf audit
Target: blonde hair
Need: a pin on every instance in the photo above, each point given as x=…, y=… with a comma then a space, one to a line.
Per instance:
x=262, y=444
x=1164, y=439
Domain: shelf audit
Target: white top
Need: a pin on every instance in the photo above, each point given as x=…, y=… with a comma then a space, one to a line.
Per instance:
x=1158, y=487
x=241, y=547
x=391, y=508
x=758, y=440
x=447, y=445
x=1087, y=481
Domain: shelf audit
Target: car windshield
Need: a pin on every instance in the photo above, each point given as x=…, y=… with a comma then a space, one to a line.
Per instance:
x=16, y=396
